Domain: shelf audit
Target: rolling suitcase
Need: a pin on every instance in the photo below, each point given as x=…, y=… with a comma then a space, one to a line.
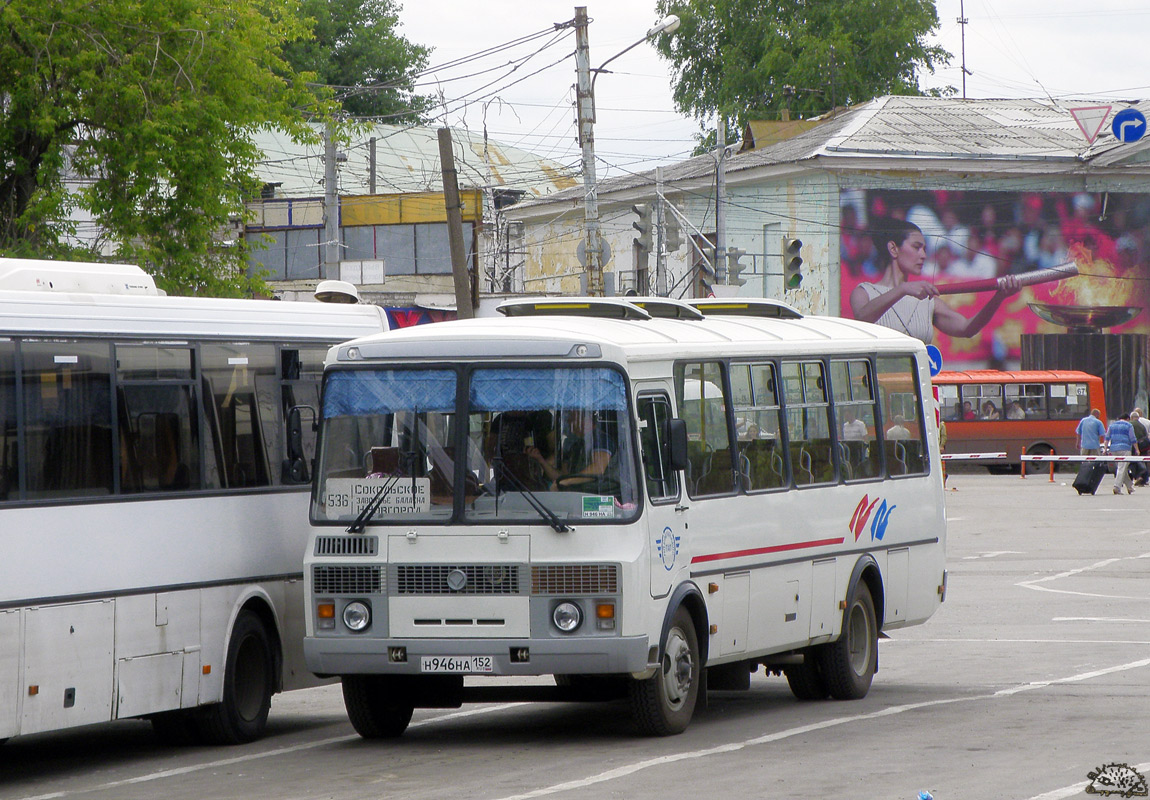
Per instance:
x=1089, y=476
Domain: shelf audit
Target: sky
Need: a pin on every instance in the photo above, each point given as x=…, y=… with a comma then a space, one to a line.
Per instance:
x=1014, y=48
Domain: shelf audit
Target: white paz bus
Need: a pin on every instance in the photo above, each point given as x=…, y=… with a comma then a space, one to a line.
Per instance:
x=154, y=478
x=642, y=498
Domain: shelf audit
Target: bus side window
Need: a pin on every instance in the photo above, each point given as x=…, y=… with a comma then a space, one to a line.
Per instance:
x=710, y=468
x=655, y=438
x=855, y=418
x=904, y=445
x=9, y=462
x=808, y=423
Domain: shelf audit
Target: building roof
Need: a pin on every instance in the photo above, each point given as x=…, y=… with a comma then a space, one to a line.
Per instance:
x=407, y=160
x=1035, y=134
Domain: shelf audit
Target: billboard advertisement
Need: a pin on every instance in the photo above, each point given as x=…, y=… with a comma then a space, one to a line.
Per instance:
x=972, y=271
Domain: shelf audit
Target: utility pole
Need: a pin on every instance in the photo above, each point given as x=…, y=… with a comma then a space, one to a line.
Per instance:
x=962, y=21
x=463, y=304
x=330, y=206
x=585, y=100
x=721, y=205
x=661, y=239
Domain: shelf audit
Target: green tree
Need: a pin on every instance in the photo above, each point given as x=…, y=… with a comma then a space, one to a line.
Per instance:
x=140, y=113
x=357, y=51
x=751, y=59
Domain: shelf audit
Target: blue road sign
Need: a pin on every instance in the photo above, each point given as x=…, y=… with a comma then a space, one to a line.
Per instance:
x=935, y=357
x=1129, y=125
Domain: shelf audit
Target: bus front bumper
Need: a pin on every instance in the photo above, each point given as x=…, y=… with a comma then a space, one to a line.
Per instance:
x=349, y=655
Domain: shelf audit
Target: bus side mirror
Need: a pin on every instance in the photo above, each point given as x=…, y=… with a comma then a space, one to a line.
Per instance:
x=294, y=468
x=677, y=429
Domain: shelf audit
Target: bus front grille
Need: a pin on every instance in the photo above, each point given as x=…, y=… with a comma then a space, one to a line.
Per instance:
x=347, y=545
x=343, y=580
x=575, y=579
x=485, y=579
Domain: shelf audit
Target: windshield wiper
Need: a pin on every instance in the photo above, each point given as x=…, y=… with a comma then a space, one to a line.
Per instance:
x=373, y=505
x=540, y=507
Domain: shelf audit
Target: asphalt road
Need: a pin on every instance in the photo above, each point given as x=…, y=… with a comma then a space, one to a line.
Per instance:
x=1034, y=675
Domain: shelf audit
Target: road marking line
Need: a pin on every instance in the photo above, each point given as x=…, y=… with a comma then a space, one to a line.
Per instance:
x=630, y=769
x=227, y=762
x=1033, y=584
x=1096, y=619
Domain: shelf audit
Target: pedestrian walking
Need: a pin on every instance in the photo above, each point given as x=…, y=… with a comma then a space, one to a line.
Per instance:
x=1090, y=432
x=1120, y=440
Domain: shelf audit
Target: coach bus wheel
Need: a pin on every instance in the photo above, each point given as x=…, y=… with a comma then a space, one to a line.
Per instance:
x=249, y=680
x=805, y=680
x=664, y=703
x=848, y=665
x=375, y=710
x=1040, y=450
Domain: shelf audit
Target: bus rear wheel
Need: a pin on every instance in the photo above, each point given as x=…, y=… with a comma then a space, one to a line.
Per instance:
x=375, y=707
x=849, y=664
x=663, y=704
x=249, y=681
x=805, y=680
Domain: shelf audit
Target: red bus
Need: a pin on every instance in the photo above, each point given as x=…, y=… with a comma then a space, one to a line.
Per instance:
x=1032, y=412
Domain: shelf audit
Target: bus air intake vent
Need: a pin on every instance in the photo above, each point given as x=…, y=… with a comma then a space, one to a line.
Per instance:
x=346, y=580
x=460, y=579
x=347, y=545
x=575, y=579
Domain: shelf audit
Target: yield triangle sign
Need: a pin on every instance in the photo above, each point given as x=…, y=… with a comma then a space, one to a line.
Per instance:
x=1090, y=120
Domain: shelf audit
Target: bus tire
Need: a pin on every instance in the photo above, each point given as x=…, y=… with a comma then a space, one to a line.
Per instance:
x=805, y=680
x=849, y=664
x=249, y=679
x=374, y=708
x=663, y=704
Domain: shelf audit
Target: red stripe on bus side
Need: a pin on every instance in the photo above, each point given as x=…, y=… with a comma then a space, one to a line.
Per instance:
x=758, y=551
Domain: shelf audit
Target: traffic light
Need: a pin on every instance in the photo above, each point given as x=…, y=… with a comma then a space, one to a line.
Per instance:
x=643, y=225
x=672, y=233
x=792, y=262
x=734, y=267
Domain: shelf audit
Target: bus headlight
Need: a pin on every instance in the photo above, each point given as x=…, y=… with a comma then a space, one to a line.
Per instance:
x=566, y=616
x=356, y=616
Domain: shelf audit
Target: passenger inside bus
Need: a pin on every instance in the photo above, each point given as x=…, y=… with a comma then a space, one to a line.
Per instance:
x=990, y=411
x=1015, y=411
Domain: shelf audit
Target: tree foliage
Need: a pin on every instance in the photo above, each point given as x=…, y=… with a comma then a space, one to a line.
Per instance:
x=751, y=59
x=356, y=50
x=139, y=114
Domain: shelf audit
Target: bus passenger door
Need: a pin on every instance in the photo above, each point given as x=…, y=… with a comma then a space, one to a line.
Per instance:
x=666, y=514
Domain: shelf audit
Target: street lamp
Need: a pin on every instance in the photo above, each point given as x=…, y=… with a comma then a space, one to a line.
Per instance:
x=585, y=97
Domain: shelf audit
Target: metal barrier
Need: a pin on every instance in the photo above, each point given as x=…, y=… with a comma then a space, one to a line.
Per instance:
x=1055, y=459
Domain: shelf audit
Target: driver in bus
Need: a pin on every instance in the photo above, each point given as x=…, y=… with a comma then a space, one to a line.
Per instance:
x=584, y=453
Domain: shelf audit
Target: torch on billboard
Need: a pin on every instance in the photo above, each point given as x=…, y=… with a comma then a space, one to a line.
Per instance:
x=989, y=277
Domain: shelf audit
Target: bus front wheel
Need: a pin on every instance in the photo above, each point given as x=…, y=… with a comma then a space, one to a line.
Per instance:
x=849, y=664
x=374, y=706
x=249, y=680
x=663, y=704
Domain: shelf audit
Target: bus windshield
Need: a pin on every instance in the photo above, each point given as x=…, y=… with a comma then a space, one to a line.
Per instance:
x=517, y=444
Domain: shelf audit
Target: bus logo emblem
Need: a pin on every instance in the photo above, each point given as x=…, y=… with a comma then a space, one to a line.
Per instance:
x=668, y=544
x=862, y=514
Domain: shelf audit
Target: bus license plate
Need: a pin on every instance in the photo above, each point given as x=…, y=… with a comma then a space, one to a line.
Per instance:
x=457, y=664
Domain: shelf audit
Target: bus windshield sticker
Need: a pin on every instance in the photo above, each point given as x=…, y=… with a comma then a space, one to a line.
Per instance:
x=598, y=506
x=347, y=497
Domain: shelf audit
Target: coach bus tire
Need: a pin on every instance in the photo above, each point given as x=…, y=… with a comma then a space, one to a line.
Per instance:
x=249, y=680
x=663, y=704
x=848, y=665
x=805, y=680
x=373, y=708
x=1040, y=450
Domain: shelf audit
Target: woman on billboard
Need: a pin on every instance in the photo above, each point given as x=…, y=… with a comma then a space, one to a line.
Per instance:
x=914, y=307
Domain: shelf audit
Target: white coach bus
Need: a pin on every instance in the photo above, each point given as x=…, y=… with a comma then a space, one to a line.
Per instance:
x=154, y=476
x=642, y=498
